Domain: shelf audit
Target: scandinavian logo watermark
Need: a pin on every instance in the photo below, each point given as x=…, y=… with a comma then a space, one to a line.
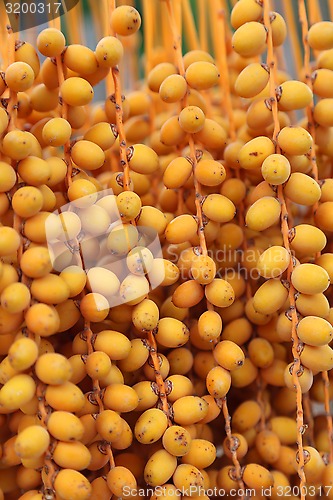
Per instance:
x=75, y=236
x=88, y=246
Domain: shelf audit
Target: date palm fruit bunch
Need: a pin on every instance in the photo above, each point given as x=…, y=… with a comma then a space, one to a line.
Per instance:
x=166, y=252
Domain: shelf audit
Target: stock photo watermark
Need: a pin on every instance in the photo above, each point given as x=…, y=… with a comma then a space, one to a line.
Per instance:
x=193, y=490
x=25, y=14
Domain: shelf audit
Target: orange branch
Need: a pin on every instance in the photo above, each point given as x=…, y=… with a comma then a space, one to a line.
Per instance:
x=314, y=11
x=148, y=34
x=294, y=39
x=201, y=8
x=220, y=49
x=73, y=24
x=190, y=28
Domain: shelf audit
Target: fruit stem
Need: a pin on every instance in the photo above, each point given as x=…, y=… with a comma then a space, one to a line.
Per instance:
x=97, y=389
x=107, y=8
x=56, y=23
x=327, y=406
x=218, y=19
x=296, y=344
x=233, y=451
x=162, y=390
x=12, y=103
x=309, y=419
x=120, y=127
x=261, y=385
x=315, y=16
x=180, y=64
x=12, y=112
x=119, y=114
x=44, y=413
x=307, y=69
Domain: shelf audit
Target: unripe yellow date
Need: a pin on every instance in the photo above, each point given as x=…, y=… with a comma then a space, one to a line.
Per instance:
x=209, y=325
x=317, y=358
x=145, y=315
x=136, y=358
x=251, y=80
x=72, y=454
x=305, y=378
x=22, y=354
x=189, y=410
x=313, y=305
x=115, y=344
x=263, y=213
x=171, y=332
x=320, y=35
x=257, y=477
x=236, y=442
x=218, y=208
x=245, y=11
x=187, y=477
x=302, y=189
x=314, y=464
x=253, y=31
x=120, y=397
x=294, y=140
x=268, y=445
x=220, y=293
x=270, y=297
x=159, y=468
x=65, y=397
x=53, y=368
x=32, y=442
x=150, y=426
x=65, y=426
x=119, y=479
x=17, y=391
x=218, y=382
x=273, y=262
x=246, y=415
x=202, y=454
x=177, y=440
x=228, y=355
x=73, y=483
x=307, y=239
x=254, y=152
x=315, y=331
